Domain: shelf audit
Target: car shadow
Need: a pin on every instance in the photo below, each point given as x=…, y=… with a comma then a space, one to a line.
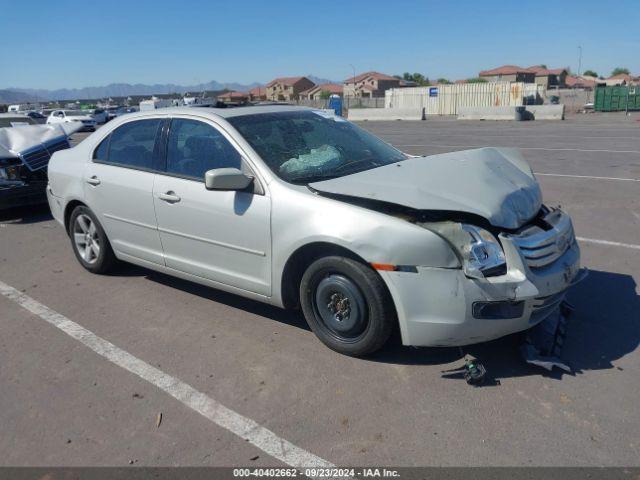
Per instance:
x=604, y=327
x=287, y=317
x=26, y=215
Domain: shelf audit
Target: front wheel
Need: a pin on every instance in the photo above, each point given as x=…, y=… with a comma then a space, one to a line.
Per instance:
x=89, y=242
x=347, y=305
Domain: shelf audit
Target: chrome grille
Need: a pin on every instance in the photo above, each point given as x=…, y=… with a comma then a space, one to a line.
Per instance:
x=541, y=247
x=38, y=157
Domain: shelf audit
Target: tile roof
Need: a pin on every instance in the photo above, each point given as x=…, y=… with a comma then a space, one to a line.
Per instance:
x=374, y=75
x=257, y=91
x=505, y=70
x=541, y=71
x=573, y=82
x=286, y=81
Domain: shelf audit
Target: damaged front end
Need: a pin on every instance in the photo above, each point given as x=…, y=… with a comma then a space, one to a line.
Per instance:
x=545, y=245
x=25, y=152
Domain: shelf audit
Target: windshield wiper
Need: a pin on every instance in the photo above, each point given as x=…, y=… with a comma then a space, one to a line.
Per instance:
x=303, y=180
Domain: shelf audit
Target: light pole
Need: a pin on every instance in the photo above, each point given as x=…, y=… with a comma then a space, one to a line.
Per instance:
x=354, y=71
x=579, y=59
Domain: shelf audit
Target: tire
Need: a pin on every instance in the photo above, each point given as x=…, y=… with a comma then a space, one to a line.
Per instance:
x=358, y=326
x=89, y=242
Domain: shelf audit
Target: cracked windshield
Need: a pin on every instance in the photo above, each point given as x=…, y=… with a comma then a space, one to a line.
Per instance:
x=310, y=146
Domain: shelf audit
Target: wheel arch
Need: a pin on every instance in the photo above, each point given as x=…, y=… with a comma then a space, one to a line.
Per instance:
x=300, y=260
x=68, y=209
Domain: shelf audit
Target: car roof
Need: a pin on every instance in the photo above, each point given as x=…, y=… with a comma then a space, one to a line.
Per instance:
x=222, y=112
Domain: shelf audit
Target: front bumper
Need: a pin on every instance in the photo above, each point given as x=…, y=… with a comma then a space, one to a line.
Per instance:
x=435, y=305
x=22, y=194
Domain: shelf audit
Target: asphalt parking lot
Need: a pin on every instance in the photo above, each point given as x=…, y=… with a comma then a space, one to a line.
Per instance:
x=63, y=404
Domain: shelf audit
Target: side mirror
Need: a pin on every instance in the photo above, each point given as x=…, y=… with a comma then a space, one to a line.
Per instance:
x=226, y=179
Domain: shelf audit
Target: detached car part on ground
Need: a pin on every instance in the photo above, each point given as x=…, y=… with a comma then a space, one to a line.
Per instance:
x=297, y=207
x=25, y=150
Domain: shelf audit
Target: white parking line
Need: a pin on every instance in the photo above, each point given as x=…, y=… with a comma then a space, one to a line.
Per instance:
x=589, y=177
x=607, y=242
x=244, y=427
x=523, y=148
x=433, y=132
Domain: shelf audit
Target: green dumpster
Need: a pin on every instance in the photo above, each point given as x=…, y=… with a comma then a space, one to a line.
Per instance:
x=616, y=99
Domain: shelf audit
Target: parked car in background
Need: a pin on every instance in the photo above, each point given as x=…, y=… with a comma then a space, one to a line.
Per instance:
x=124, y=110
x=66, y=116
x=111, y=113
x=25, y=150
x=99, y=115
x=297, y=207
x=15, y=120
x=37, y=117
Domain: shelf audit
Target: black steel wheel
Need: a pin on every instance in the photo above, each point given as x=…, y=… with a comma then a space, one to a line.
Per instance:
x=347, y=305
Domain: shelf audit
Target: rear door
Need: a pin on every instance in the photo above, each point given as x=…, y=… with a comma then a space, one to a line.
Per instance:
x=224, y=236
x=119, y=188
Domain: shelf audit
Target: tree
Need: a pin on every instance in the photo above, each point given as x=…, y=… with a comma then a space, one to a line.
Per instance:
x=619, y=70
x=418, y=78
x=542, y=65
x=476, y=80
x=325, y=94
x=443, y=81
x=590, y=73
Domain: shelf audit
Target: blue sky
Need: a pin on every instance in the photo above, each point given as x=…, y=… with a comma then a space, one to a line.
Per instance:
x=56, y=44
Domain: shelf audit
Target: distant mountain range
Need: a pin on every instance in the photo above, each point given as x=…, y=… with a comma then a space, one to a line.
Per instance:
x=21, y=95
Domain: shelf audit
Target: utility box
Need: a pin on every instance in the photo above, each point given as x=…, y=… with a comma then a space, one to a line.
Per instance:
x=617, y=99
x=335, y=103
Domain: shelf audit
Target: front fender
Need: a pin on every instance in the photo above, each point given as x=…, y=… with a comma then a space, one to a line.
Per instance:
x=300, y=218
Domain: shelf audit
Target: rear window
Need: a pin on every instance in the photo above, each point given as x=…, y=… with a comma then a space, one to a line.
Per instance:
x=130, y=145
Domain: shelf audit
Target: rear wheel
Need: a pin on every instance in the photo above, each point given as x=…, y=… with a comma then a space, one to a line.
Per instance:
x=89, y=242
x=347, y=305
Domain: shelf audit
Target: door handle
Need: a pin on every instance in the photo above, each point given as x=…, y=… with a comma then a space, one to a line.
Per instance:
x=169, y=197
x=93, y=181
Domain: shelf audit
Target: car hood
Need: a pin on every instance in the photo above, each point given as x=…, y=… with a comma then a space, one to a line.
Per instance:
x=495, y=183
x=16, y=140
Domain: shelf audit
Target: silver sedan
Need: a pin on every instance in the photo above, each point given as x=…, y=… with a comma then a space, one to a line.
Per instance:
x=302, y=209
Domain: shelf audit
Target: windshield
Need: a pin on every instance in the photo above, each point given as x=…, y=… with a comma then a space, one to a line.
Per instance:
x=78, y=113
x=309, y=146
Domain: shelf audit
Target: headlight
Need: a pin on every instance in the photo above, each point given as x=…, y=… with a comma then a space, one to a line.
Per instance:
x=479, y=251
x=9, y=173
x=483, y=253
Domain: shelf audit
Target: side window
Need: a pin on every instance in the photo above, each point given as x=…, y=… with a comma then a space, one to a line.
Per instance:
x=195, y=147
x=132, y=144
x=100, y=153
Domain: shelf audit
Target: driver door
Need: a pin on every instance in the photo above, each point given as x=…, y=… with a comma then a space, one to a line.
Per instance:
x=223, y=236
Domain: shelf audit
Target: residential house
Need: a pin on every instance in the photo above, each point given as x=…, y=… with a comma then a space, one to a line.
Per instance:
x=549, y=78
x=257, y=94
x=316, y=92
x=509, y=73
x=585, y=82
x=233, y=97
x=370, y=84
x=622, y=79
x=287, y=88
